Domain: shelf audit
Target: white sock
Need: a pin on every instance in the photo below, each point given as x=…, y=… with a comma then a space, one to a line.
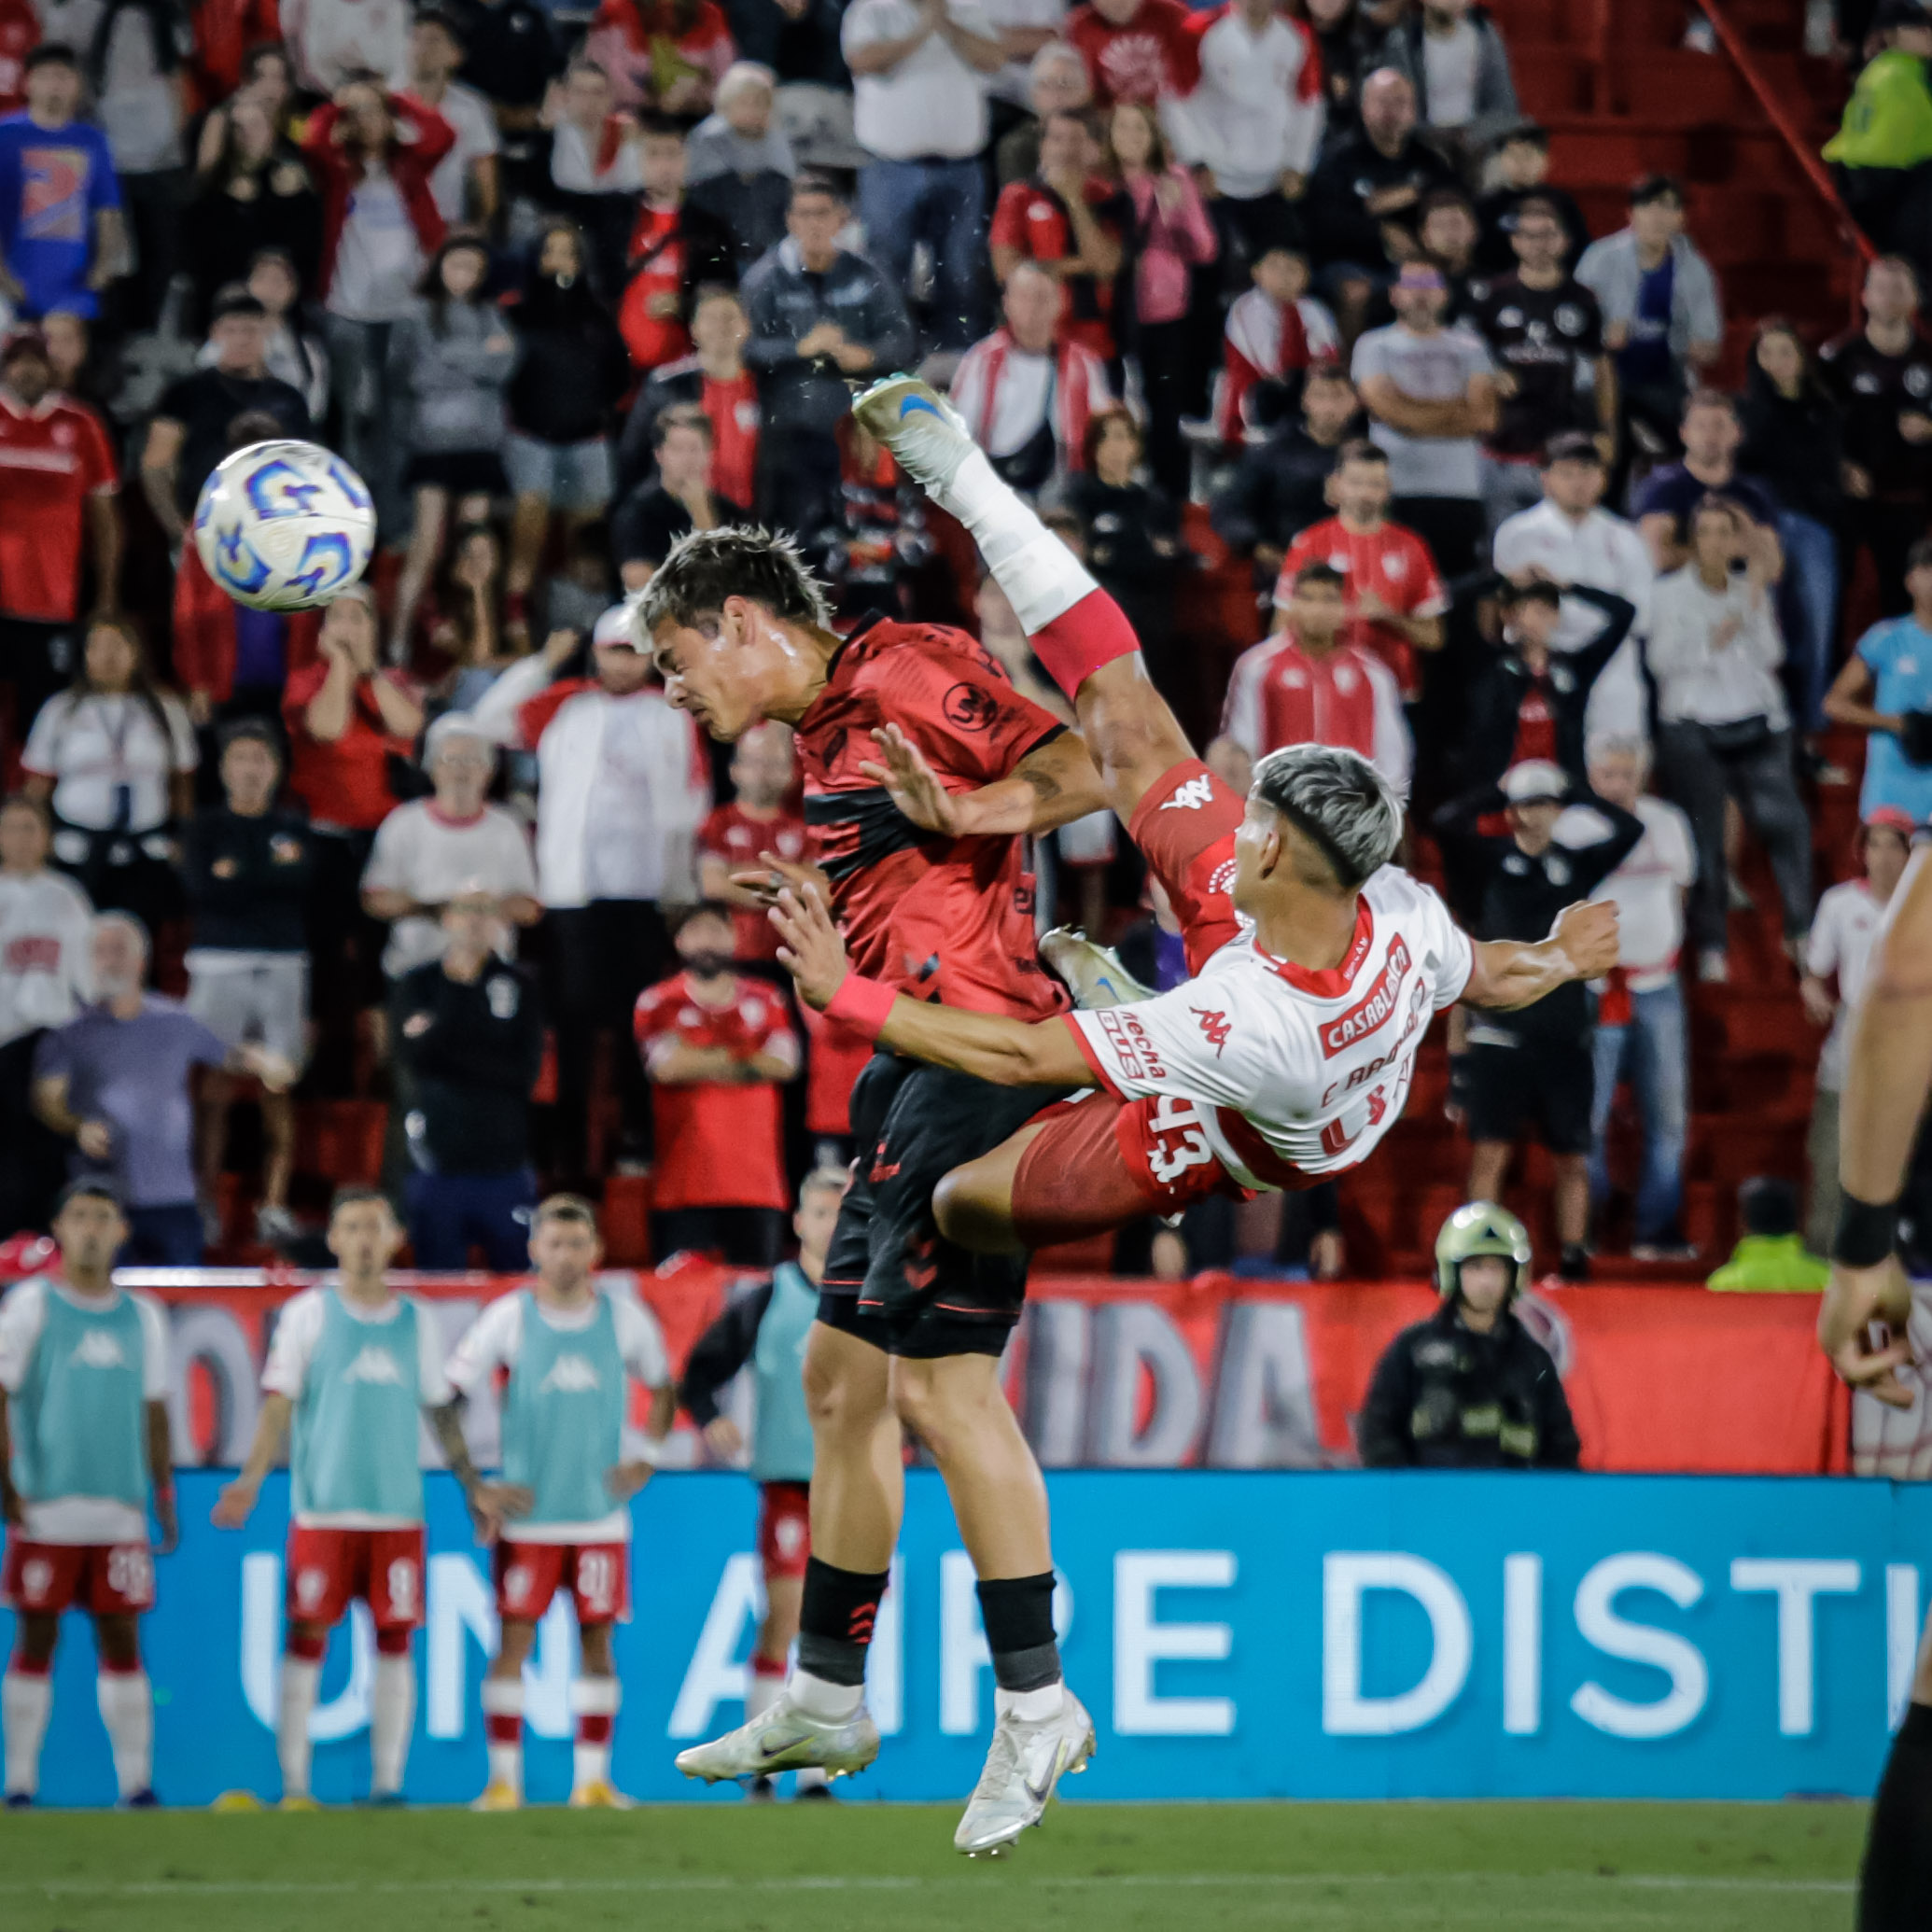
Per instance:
x=1030, y=1706
x=503, y=1697
x=595, y=1699
x=25, y=1699
x=392, y=1720
x=1042, y=577
x=761, y=1694
x=830, y=1703
x=299, y=1678
x=127, y=1708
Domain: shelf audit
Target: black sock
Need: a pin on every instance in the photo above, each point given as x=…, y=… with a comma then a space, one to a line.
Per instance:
x=1895, y=1884
x=1017, y=1612
x=835, y=1621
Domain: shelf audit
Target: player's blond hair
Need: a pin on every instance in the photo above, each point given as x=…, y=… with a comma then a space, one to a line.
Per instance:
x=1337, y=800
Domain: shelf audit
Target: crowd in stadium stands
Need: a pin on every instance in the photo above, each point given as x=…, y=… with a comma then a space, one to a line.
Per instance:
x=1287, y=282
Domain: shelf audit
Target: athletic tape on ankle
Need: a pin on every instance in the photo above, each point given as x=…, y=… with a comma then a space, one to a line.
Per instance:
x=862, y=1005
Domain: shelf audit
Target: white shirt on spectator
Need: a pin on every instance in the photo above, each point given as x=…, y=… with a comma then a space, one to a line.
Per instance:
x=474, y=123
x=1259, y=110
x=333, y=39
x=1844, y=930
x=574, y=163
x=139, y=106
x=379, y=259
x=419, y=849
x=1648, y=888
x=932, y=103
x=1005, y=392
x=1600, y=552
x=1433, y=367
x=92, y=745
x=1448, y=71
x=1014, y=81
x=44, y=926
x=1697, y=681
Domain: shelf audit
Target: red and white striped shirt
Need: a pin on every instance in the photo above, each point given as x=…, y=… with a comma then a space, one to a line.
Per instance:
x=1391, y=561
x=1003, y=391
x=1265, y=340
x=1282, y=694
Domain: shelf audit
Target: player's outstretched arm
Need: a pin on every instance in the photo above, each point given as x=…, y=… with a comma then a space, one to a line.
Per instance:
x=1050, y=787
x=234, y=1504
x=990, y=1047
x=1512, y=972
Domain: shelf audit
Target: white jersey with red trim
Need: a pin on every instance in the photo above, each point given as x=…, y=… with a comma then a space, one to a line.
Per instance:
x=1298, y=1074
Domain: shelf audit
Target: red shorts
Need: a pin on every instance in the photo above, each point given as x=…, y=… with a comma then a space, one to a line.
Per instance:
x=105, y=1579
x=784, y=1527
x=596, y=1574
x=1185, y=829
x=384, y=1567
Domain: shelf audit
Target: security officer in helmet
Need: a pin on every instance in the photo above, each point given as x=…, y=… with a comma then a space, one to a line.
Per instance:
x=1470, y=1388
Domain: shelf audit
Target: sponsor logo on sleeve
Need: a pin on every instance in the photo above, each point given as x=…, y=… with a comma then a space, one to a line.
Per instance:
x=1136, y=1054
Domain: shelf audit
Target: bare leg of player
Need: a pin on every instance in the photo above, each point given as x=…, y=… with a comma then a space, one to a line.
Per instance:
x=857, y=1467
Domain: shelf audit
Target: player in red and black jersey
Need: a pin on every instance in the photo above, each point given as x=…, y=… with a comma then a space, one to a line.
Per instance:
x=910, y=1327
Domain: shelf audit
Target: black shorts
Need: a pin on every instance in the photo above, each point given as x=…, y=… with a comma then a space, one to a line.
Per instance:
x=461, y=473
x=889, y=1279
x=1547, y=1084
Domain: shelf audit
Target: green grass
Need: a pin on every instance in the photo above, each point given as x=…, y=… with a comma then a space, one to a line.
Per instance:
x=1408, y=1868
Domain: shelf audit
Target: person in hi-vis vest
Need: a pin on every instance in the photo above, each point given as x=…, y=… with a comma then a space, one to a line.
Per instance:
x=83, y=1446
x=351, y=1365
x=767, y=1329
x=560, y=1515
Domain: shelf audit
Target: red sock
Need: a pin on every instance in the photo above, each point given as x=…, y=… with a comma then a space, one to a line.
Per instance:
x=1079, y=641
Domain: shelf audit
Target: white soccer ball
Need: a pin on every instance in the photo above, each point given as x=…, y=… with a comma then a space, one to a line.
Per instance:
x=284, y=525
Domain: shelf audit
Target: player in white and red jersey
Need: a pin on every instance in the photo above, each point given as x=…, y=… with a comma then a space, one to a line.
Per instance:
x=1317, y=963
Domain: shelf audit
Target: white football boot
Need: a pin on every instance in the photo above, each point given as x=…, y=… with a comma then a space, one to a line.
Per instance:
x=783, y=1739
x=1024, y=1765
x=1093, y=973
x=927, y=435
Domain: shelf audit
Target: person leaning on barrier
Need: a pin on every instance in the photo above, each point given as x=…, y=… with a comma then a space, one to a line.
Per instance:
x=1470, y=1388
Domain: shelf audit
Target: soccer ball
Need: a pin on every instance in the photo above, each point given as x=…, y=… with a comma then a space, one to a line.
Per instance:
x=284, y=525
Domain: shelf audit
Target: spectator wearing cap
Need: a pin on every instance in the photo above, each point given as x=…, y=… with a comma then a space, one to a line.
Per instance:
x=1533, y=1068
x=1769, y=1257
x=1309, y=685
x=60, y=523
x=245, y=866
x=464, y=184
x=1029, y=390
x=1640, y=1033
x=1281, y=486
x=1552, y=373
x=623, y=785
x=1431, y=397
x=45, y=921
x=1522, y=174
x=1662, y=319
x=64, y=264
x=189, y=433
x=818, y=315
x=467, y=1026
x=1723, y=729
x=648, y=522
x=919, y=73
x=738, y=163
x=113, y=1081
x=1838, y=947
x=1879, y=153
x=714, y=378
x=1452, y=53
x=1886, y=689
x=348, y=717
x=1570, y=540
x=425, y=849
x=1277, y=335
x=716, y=1046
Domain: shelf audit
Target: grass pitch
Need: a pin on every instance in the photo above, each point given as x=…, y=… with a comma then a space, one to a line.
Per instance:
x=1396, y=1868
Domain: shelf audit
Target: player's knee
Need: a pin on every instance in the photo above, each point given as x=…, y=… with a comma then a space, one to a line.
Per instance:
x=918, y=1402
x=594, y=1640
x=34, y=1641
x=970, y=1215
x=117, y=1641
x=842, y=1398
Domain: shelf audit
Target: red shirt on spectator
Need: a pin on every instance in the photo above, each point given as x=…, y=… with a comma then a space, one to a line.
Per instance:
x=1030, y=217
x=1154, y=55
x=20, y=34
x=642, y=44
x=720, y=1144
x=835, y=1056
x=345, y=782
x=658, y=249
x=732, y=834
x=1535, y=727
x=1391, y=561
x=52, y=458
x=224, y=31
x=733, y=407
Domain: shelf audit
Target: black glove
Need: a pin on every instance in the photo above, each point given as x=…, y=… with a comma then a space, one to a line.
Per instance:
x=1915, y=736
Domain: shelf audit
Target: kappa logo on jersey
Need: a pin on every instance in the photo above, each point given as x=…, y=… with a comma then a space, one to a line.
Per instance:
x=1374, y=1009
x=970, y=708
x=1191, y=796
x=570, y=1374
x=1214, y=1024
x=373, y=1364
x=97, y=1349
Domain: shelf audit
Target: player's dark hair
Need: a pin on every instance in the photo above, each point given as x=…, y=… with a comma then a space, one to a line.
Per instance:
x=679, y=415
x=246, y=731
x=1358, y=448
x=89, y=1187
x=572, y=1208
x=51, y=54
x=1319, y=570
x=706, y=567
x=1338, y=802
x=705, y=909
x=1510, y=596
x=354, y=1195
x=1647, y=188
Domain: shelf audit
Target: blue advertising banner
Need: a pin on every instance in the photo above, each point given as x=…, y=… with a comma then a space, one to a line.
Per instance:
x=1339, y=1634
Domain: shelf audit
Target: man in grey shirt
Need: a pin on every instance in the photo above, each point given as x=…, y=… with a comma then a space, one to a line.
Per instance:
x=1430, y=395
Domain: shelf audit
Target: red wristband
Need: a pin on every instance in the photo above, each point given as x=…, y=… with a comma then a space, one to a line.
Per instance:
x=862, y=1005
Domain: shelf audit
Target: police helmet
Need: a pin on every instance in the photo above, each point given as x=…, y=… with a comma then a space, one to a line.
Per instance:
x=1481, y=1227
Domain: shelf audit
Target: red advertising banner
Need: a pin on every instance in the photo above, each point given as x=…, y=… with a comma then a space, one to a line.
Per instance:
x=1214, y=1373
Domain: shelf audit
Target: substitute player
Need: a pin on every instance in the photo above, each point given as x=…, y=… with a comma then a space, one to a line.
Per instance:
x=353, y=1364
x=560, y=1519
x=1862, y=1327
x=83, y=1446
x=769, y=1328
x=1318, y=964
x=910, y=1326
